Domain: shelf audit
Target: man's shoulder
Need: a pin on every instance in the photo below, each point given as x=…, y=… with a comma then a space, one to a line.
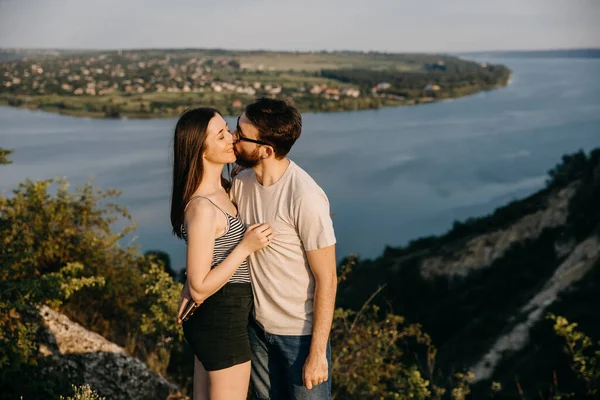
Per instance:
x=302, y=181
x=245, y=173
x=244, y=176
x=239, y=185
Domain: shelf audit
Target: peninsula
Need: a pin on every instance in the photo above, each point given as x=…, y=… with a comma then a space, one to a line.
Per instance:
x=156, y=83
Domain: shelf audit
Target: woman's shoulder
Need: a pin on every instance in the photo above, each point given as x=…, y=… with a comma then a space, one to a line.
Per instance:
x=199, y=208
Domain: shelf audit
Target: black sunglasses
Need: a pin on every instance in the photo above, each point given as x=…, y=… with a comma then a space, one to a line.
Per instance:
x=241, y=138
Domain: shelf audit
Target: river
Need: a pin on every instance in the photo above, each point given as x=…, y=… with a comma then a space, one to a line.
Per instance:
x=391, y=175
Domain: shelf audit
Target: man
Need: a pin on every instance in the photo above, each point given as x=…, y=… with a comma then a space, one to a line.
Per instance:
x=294, y=278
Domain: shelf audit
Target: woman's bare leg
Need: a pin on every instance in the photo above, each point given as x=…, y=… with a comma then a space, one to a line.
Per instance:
x=230, y=383
x=201, y=381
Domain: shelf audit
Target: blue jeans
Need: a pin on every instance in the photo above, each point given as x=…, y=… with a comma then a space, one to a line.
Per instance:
x=277, y=363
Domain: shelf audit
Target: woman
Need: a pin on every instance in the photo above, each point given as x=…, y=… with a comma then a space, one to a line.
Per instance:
x=218, y=244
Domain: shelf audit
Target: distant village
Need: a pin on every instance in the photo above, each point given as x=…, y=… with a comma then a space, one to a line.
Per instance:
x=103, y=75
x=160, y=83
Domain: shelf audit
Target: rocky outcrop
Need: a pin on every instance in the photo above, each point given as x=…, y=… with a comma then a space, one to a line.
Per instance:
x=577, y=264
x=482, y=250
x=88, y=358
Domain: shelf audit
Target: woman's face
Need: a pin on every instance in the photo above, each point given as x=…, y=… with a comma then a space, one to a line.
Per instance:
x=218, y=147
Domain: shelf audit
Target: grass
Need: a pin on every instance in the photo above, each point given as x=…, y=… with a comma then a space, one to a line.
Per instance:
x=168, y=105
x=333, y=60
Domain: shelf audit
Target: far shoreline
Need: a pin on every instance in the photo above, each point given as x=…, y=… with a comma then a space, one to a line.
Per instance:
x=99, y=115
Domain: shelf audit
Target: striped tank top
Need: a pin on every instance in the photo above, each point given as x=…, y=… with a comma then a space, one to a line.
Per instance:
x=224, y=244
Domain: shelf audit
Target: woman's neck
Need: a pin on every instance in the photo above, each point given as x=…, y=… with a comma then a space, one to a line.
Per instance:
x=211, y=179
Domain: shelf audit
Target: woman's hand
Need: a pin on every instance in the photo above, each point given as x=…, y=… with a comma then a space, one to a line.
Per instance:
x=183, y=300
x=257, y=236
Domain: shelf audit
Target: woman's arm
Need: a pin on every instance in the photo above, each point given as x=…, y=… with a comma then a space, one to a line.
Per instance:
x=201, y=226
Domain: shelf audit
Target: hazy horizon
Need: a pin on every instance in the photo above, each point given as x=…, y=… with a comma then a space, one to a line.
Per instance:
x=296, y=51
x=392, y=26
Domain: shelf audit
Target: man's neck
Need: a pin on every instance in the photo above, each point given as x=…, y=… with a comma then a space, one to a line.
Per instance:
x=269, y=171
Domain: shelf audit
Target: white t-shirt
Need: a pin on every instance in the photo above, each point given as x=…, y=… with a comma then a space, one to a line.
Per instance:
x=298, y=211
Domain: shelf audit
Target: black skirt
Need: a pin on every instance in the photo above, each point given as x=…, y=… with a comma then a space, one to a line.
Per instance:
x=218, y=329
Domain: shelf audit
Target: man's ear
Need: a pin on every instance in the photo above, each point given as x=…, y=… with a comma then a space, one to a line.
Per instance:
x=268, y=152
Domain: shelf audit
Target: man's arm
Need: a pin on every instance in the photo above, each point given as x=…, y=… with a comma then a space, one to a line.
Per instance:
x=315, y=229
x=323, y=266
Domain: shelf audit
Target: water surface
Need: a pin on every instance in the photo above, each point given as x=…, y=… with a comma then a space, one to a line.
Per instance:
x=391, y=175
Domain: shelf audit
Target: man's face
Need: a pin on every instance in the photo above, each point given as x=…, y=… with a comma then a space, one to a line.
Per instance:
x=247, y=146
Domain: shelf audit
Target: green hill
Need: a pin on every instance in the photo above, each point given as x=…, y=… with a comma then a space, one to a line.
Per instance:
x=482, y=290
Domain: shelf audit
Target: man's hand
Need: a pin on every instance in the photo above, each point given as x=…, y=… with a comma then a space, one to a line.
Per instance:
x=185, y=297
x=315, y=370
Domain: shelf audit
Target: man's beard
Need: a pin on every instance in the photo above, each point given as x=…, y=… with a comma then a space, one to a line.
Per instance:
x=247, y=160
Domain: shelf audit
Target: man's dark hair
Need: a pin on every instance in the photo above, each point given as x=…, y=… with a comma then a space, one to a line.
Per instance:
x=278, y=123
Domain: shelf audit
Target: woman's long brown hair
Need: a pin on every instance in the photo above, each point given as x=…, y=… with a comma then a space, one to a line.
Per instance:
x=188, y=146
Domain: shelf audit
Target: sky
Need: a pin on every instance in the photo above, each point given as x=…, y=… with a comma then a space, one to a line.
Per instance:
x=302, y=25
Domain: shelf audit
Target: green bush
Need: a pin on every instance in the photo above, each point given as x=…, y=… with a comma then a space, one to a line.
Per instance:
x=4, y=153
x=58, y=248
x=372, y=359
x=84, y=392
x=583, y=353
